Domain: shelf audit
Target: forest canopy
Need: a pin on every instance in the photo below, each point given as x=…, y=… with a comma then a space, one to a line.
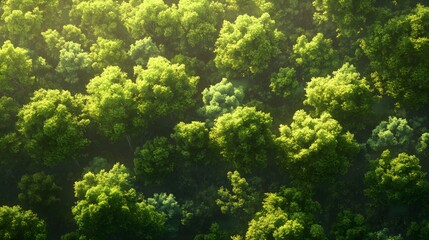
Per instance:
x=214, y=119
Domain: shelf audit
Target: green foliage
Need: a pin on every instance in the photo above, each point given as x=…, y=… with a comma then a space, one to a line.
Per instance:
x=288, y=214
x=396, y=135
x=142, y=50
x=345, y=95
x=241, y=197
x=396, y=180
x=350, y=226
x=111, y=103
x=16, y=223
x=107, y=207
x=349, y=16
x=247, y=46
x=192, y=142
x=16, y=76
x=219, y=99
x=97, y=18
x=397, y=52
x=9, y=141
x=164, y=89
x=74, y=64
x=53, y=127
x=38, y=190
x=317, y=57
x=107, y=52
x=154, y=161
x=244, y=138
x=152, y=18
x=284, y=83
x=199, y=24
x=315, y=149
x=167, y=204
x=384, y=234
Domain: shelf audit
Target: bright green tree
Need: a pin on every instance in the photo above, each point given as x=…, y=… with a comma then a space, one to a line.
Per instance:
x=98, y=18
x=397, y=52
x=315, y=149
x=154, y=161
x=288, y=214
x=199, y=21
x=192, y=142
x=247, y=46
x=219, y=99
x=242, y=198
x=16, y=76
x=164, y=89
x=345, y=95
x=315, y=58
x=396, y=181
x=284, y=83
x=53, y=127
x=244, y=138
x=16, y=223
x=107, y=52
x=108, y=207
x=38, y=190
x=111, y=103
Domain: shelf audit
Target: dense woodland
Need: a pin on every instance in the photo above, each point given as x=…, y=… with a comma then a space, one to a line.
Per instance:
x=214, y=119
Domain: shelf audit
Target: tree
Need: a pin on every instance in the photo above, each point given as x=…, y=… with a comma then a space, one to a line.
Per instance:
x=349, y=17
x=142, y=50
x=397, y=135
x=315, y=149
x=199, y=22
x=154, y=161
x=107, y=207
x=74, y=64
x=53, y=127
x=247, y=46
x=38, y=190
x=396, y=181
x=152, y=18
x=16, y=76
x=16, y=223
x=350, y=226
x=244, y=138
x=288, y=214
x=345, y=95
x=9, y=141
x=98, y=18
x=24, y=20
x=111, y=103
x=192, y=142
x=219, y=99
x=164, y=89
x=397, y=52
x=107, y=52
x=284, y=83
x=240, y=199
x=315, y=58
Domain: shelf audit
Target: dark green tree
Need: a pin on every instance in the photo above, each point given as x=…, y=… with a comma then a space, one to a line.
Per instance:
x=154, y=161
x=38, y=190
